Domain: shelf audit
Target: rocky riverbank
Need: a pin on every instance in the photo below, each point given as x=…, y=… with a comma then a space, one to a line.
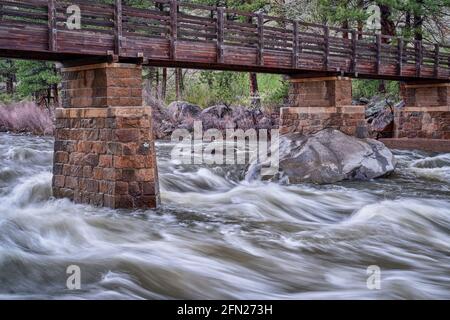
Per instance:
x=27, y=117
x=182, y=115
x=380, y=115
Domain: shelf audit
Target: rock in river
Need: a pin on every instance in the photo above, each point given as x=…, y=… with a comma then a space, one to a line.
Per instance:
x=330, y=156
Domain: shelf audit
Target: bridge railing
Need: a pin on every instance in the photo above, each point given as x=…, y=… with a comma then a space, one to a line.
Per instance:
x=172, y=30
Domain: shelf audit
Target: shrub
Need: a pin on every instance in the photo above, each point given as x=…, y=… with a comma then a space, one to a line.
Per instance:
x=369, y=88
x=26, y=117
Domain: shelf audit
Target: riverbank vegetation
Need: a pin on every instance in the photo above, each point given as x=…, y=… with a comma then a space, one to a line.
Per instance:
x=26, y=117
x=36, y=82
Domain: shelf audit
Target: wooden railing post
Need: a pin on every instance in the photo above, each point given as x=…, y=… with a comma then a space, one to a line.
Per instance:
x=418, y=58
x=436, y=60
x=118, y=30
x=220, y=33
x=173, y=28
x=52, y=44
x=378, y=54
x=295, y=45
x=326, y=58
x=400, y=46
x=354, y=48
x=260, y=39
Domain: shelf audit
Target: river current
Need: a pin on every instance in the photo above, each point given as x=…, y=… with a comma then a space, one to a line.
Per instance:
x=218, y=236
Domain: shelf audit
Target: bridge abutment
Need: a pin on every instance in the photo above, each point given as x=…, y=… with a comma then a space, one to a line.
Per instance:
x=426, y=114
x=318, y=103
x=104, y=144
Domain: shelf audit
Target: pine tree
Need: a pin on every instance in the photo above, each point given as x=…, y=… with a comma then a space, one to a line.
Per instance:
x=8, y=70
x=38, y=80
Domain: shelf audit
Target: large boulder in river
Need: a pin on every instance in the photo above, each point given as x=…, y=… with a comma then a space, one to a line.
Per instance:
x=330, y=156
x=181, y=110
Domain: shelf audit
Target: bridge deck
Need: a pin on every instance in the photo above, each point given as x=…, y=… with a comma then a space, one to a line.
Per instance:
x=193, y=36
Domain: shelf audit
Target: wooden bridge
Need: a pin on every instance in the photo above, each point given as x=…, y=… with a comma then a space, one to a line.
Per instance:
x=104, y=146
x=180, y=34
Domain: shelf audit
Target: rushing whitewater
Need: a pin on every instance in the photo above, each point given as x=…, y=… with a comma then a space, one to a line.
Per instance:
x=218, y=236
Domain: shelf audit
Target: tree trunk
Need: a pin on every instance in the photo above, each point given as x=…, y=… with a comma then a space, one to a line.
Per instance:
x=387, y=29
x=387, y=25
x=49, y=96
x=382, y=87
x=164, y=84
x=345, y=25
x=55, y=94
x=10, y=84
x=152, y=82
x=360, y=23
x=254, y=91
x=157, y=91
x=10, y=76
x=408, y=21
x=54, y=88
x=178, y=85
x=418, y=23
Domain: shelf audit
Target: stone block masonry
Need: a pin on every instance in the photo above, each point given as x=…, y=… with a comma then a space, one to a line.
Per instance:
x=426, y=114
x=104, y=144
x=318, y=103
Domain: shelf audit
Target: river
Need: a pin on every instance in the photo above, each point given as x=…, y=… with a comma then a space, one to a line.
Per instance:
x=218, y=236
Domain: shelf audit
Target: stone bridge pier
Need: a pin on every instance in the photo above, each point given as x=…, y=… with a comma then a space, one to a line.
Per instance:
x=426, y=114
x=318, y=103
x=104, y=145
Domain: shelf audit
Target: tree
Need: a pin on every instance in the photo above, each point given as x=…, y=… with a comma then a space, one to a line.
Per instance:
x=178, y=83
x=8, y=71
x=164, y=84
x=248, y=6
x=38, y=80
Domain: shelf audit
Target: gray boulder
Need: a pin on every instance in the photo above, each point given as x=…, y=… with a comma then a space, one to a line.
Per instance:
x=383, y=123
x=218, y=111
x=400, y=105
x=363, y=101
x=376, y=105
x=329, y=156
x=181, y=110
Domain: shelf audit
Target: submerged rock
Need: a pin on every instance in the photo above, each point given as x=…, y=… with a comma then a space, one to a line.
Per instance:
x=330, y=156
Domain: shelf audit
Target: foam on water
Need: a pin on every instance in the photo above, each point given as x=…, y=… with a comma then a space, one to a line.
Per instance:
x=218, y=236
